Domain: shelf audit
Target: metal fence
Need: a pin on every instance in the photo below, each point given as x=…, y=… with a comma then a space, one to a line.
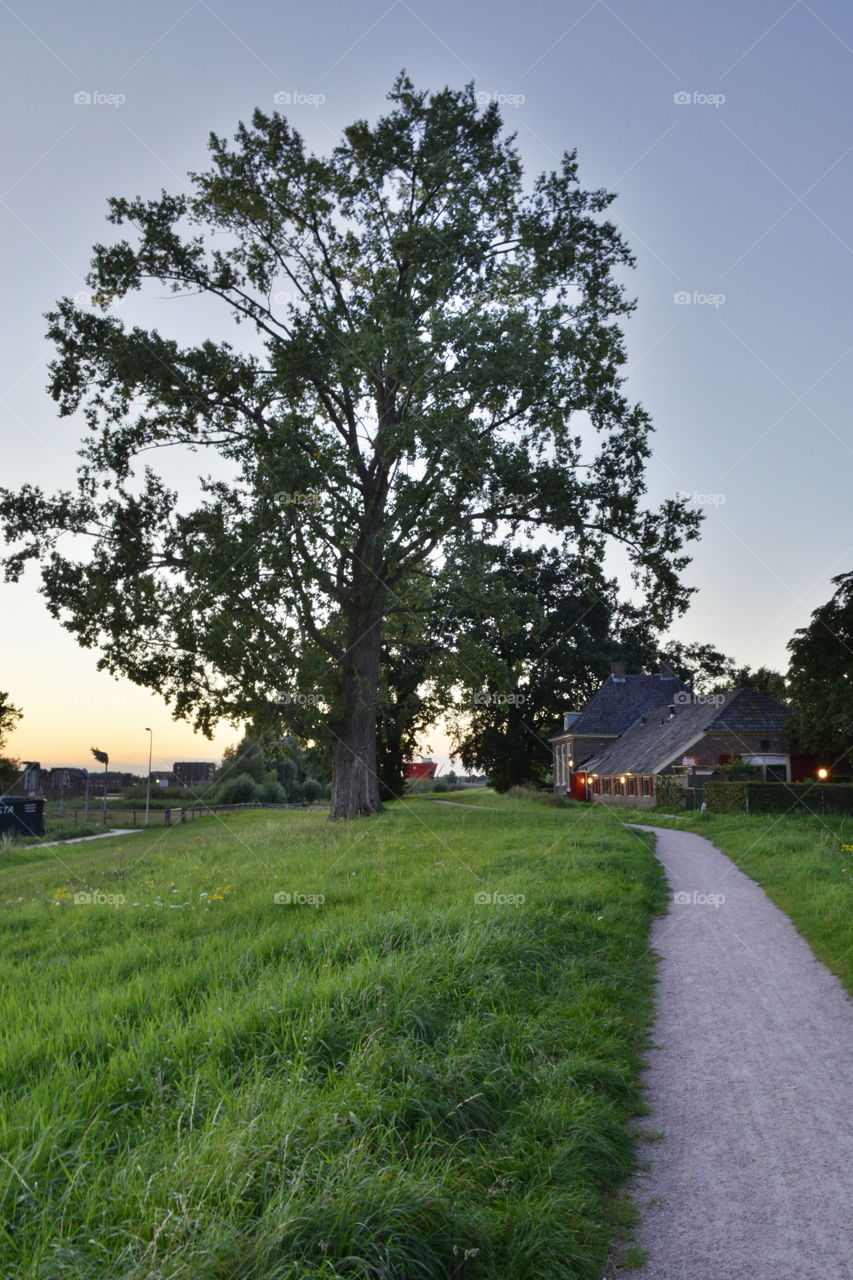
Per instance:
x=129, y=818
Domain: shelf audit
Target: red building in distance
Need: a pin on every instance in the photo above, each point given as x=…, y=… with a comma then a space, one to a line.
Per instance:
x=420, y=768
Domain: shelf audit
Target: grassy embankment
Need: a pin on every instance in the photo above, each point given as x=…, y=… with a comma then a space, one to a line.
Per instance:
x=408, y=1077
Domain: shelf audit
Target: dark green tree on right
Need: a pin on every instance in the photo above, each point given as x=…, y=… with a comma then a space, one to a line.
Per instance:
x=820, y=678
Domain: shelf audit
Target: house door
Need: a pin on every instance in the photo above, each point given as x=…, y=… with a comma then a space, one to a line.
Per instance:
x=577, y=786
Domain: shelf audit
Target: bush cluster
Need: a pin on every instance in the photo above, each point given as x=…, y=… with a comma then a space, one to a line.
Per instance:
x=779, y=797
x=248, y=774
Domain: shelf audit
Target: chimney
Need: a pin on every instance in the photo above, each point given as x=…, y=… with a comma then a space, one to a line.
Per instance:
x=617, y=670
x=667, y=672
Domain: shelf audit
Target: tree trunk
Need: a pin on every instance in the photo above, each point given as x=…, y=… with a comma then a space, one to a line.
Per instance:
x=355, y=785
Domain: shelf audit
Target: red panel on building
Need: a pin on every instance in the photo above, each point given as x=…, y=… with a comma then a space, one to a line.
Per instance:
x=420, y=768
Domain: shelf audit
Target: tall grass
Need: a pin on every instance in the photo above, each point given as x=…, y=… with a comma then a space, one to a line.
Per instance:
x=396, y=1081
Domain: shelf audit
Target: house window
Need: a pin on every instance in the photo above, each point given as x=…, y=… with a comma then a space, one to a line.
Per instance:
x=632, y=786
x=776, y=772
x=765, y=744
x=647, y=785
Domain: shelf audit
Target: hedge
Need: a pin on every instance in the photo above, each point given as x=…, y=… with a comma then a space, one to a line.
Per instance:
x=779, y=797
x=725, y=797
x=670, y=793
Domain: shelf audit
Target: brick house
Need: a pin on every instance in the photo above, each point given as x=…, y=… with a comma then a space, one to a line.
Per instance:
x=618, y=704
x=688, y=735
x=193, y=773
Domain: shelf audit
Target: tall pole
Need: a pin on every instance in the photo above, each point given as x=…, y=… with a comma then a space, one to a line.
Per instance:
x=103, y=758
x=148, y=788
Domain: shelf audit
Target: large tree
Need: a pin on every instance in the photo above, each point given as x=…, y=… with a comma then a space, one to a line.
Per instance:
x=535, y=638
x=701, y=666
x=430, y=352
x=820, y=678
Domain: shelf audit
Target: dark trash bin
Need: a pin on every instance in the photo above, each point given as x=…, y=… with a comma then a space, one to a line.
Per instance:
x=20, y=816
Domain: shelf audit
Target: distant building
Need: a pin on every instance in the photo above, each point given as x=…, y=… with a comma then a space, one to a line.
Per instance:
x=64, y=782
x=637, y=729
x=193, y=773
x=162, y=778
x=29, y=782
x=420, y=768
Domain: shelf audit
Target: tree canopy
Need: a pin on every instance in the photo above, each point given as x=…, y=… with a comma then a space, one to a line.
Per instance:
x=9, y=717
x=536, y=639
x=820, y=678
x=430, y=355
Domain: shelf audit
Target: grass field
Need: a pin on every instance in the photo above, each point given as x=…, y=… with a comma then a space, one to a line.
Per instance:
x=422, y=1064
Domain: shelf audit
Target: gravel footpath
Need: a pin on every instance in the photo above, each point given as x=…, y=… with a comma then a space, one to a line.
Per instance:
x=102, y=835
x=750, y=1083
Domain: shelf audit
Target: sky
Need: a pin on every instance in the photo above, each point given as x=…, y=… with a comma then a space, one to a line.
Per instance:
x=724, y=130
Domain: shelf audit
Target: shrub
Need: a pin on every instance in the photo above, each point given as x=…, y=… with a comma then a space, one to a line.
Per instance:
x=313, y=790
x=725, y=797
x=740, y=770
x=419, y=786
x=779, y=797
x=671, y=793
x=441, y=785
x=555, y=799
x=273, y=793
x=241, y=789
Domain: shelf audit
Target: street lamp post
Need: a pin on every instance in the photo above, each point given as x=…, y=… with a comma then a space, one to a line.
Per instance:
x=148, y=788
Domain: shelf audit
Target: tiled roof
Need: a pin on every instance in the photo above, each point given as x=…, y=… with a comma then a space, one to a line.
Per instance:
x=618, y=703
x=753, y=712
x=650, y=747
